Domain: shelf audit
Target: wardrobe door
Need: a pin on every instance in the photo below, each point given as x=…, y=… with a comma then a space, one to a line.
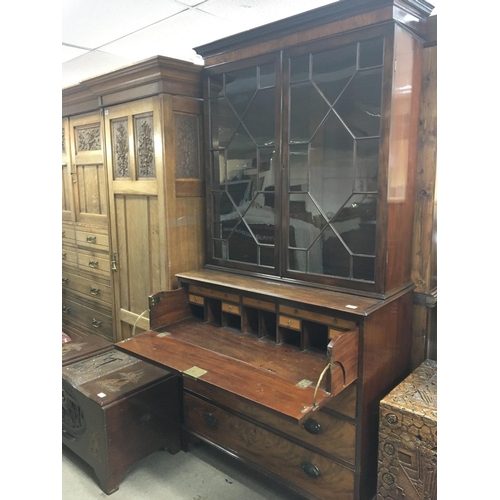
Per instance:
x=137, y=200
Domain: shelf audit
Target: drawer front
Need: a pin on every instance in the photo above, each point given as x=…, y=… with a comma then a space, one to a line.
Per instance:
x=308, y=470
x=92, y=319
x=69, y=257
x=231, y=308
x=331, y=435
x=259, y=304
x=95, y=263
x=318, y=318
x=216, y=294
x=196, y=299
x=91, y=240
x=87, y=287
x=288, y=322
x=68, y=235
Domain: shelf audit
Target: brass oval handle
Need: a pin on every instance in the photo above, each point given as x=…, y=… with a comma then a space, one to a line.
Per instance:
x=210, y=419
x=311, y=470
x=288, y=322
x=94, y=291
x=91, y=239
x=96, y=323
x=313, y=427
x=230, y=307
x=93, y=263
x=66, y=309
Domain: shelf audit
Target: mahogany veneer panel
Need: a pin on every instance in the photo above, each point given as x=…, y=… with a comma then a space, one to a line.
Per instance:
x=253, y=380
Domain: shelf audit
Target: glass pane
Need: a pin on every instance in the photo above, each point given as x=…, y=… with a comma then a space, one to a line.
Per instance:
x=367, y=161
x=266, y=256
x=259, y=119
x=240, y=88
x=364, y=268
x=242, y=246
x=267, y=75
x=307, y=110
x=224, y=123
x=336, y=258
x=299, y=68
x=333, y=69
x=331, y=165
x=371, y=53
x=356, y=224
x=359, y=105
x=298, y=166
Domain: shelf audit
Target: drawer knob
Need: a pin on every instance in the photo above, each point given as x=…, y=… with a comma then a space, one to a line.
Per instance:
x=210, y=419
x=288, y=322
x=91, y=239
x=96, y=323
x=93, y=263
x=311, y=426
x=310, y=469
x=66, y=309
x=65, y=281
x=64, y=255
x=94, y=291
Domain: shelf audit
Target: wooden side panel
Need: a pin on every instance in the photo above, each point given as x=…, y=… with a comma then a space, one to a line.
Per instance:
x=68, y=209
x=402, y=158
x=386, y=354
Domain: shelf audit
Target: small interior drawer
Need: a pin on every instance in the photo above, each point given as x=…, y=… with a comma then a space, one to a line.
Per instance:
x=325, y=319
x=196, y=299
x=231, y=308
x=288, y=322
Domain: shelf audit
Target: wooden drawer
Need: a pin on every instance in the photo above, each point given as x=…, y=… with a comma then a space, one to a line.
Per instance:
x=87, y=287
x=323, y=432
x=306, y=469
x=68, y=234
x=196, y=299
x=92, y=319
x=69, y=257
x=318, y=318
x=216, y=294
x=94, y=262
x=288, y=322
x=231, y=308
x=92, y=240
x=259, y=304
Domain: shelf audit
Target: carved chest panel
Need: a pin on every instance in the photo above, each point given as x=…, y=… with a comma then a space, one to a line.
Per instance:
x=407, y=465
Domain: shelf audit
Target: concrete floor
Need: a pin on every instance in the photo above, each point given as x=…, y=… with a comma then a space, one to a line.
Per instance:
x=204, y=473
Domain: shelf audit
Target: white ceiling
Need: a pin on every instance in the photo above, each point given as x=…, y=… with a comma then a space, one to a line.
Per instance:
x=99, y=36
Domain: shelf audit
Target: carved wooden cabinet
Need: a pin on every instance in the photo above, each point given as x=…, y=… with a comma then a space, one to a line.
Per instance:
x=145, y=122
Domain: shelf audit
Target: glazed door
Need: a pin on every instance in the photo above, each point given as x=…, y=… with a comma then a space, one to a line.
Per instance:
x=137, y=201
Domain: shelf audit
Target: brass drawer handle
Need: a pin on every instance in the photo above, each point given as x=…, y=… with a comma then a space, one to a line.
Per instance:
x=93, y=263
x=65, y=281
x=94, y=291
x=311, y=470
x=210, y=419
x=313, y=427
x=63, y=233
x=91, y=239
x=64, y=255
x=66, y=309
x=96, y=323
x=289, y=322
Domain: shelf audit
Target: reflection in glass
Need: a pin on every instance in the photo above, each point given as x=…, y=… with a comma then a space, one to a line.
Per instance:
x=333, y=160
x=243, y=177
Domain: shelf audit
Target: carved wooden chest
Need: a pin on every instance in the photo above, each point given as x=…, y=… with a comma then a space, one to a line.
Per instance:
x=117, y=409
x=407, y=464
x=82, y=347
